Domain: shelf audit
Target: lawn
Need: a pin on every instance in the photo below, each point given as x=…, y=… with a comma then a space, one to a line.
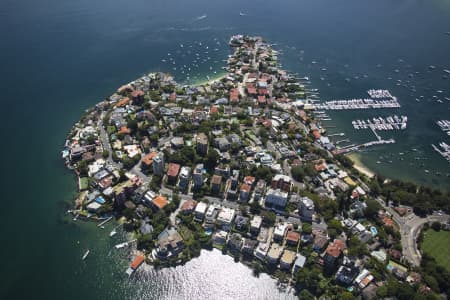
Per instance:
x=437, y=245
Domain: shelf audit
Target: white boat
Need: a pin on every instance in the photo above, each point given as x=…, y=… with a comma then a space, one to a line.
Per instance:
x=85, y=254
x=121, y=245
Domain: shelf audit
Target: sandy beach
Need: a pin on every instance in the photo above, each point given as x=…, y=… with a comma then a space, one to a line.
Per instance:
x=358, y=165
x=212, y=79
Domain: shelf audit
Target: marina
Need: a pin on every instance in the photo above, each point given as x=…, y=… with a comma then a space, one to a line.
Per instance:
x=444, y=125
x=379, y=123
x=443, y=150
x=378, y=99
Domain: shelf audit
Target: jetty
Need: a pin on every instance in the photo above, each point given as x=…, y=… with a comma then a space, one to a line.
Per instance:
x=104, y=222
x=125, y=244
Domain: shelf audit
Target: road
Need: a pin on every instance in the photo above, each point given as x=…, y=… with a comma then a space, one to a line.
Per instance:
x=410, y=227
x=104, y=139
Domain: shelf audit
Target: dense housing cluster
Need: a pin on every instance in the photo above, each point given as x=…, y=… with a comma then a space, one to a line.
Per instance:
x=241, y=165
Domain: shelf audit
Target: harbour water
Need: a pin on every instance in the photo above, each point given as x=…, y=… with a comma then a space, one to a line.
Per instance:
x=60, y=57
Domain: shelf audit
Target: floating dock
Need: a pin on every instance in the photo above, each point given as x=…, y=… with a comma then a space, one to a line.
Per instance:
x=379, y=123
x=378, y=99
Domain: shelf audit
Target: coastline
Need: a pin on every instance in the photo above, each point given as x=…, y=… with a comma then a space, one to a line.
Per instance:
x=358, y=165
x=216, y=78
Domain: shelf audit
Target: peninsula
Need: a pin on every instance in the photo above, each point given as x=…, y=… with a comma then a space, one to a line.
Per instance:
x=243, y=164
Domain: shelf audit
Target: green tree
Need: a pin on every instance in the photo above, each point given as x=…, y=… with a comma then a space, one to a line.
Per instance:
x=211, y=159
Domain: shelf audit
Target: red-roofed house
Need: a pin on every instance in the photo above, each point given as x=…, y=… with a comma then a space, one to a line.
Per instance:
x=122, y=102
x=188, y=206
x=244, y=192
x=172, y=173
x=316, y=134
x=124, y=130
x=292, y=237
x=159, y=202
x=234, y=95
x=262, y=100
x=213, y=110
x=333, y=254
x=250, y=180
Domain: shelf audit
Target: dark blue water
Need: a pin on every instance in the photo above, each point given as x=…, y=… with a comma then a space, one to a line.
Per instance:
x=58, y=58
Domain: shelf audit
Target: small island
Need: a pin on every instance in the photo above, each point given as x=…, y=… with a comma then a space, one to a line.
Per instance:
x=242, y=164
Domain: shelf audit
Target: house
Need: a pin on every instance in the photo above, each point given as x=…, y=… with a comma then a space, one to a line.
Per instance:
x=145, y=228
x=234, y=95
x=93, y=207
x=259, y=190
x=249, y=246
x=357, y=208
x=222, y=144
x=274, y=253
x=197, y=176
x=122, y=191
x=370, y=292
x=200, y=211
x=282, y=182
x=363, y=279
x=346, y=274
x=333, y=254
x=172, y=173
x=261, y=251
x=280, y=231
x=216, y=182
x=201, y=144
x=138, y=97
x=210, y=216
x=249, y=180
x=184, y=178
x=220, y=237
x=320, y=241
x=235, y=242
x=244, y=192
x=147, y=160
x=158, y=164
x=287, y=259
x=241, y=222
x=299, y=262
x=292, y=238
x=159, y=202
x=255, y=224
x=170, y=243
x=233, y=186
x=188, y=206
x=177, y=142
x=306, y=209
x=276, y=198
x=226, y=217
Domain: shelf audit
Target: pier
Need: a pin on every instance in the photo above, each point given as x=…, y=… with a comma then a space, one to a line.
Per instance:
x=104, y=222
x=336, y=134
x=353, y=147
x=125, y=244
